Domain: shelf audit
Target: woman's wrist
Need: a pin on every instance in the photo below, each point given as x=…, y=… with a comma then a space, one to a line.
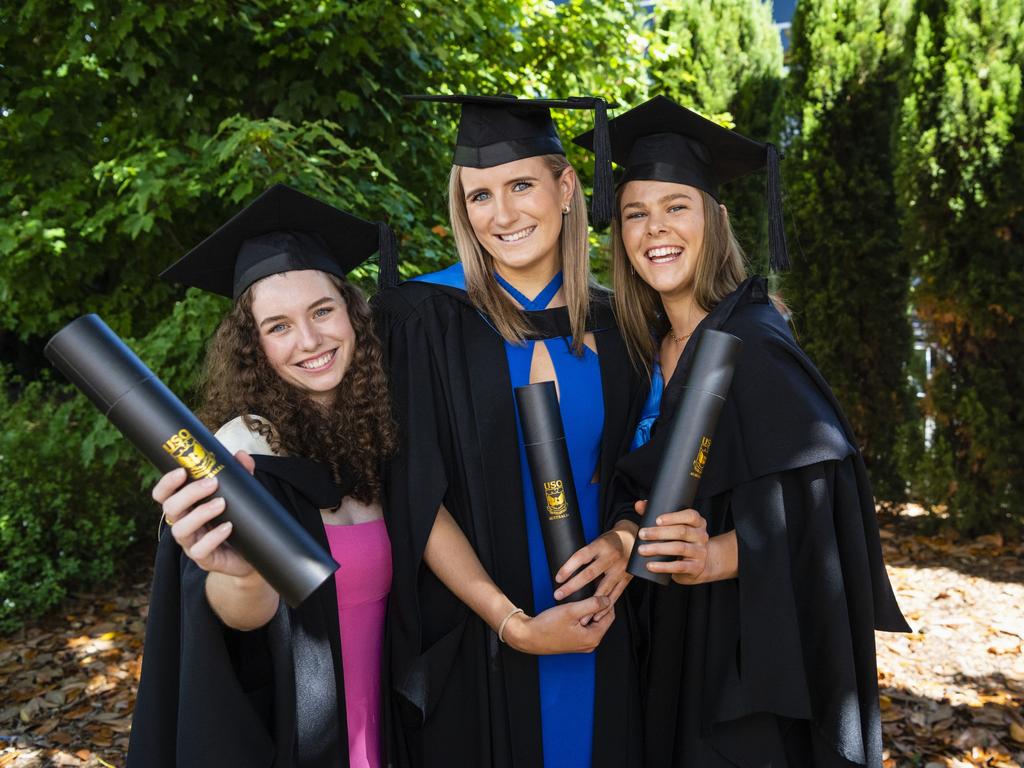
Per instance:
x=517, y=632
x=721, y=562
x=505, y=621
x=241, y=602
x=251, y=584
x=627, y=526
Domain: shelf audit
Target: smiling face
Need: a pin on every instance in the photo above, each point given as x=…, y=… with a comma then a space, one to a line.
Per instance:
x=515, y=210
x=663, y=233
x=304, y=330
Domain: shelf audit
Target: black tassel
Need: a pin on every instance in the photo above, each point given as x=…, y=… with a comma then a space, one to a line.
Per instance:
x=778, y=255
x=603, y=204
x=387, y=260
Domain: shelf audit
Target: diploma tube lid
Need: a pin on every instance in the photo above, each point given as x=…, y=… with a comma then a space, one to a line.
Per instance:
x=547, y=454
x=689, y=439
x=156, y=422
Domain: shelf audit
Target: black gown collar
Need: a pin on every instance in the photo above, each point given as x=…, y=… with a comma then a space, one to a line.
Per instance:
x=309, y=478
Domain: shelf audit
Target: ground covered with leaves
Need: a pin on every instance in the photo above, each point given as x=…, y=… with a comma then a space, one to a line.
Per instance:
x=952, y=692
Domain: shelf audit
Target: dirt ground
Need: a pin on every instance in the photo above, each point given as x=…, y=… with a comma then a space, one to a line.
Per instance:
x=951, y=693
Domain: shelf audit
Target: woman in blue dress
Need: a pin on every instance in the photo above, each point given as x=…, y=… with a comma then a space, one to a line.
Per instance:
x=487, y=668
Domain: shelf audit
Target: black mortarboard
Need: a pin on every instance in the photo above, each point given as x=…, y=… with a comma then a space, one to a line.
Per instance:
x=494, y=130
x=662, y=141
x=279, y=231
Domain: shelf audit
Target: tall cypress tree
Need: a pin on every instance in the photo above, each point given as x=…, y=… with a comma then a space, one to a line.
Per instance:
x=849, y=283
x=723, y=58
x=961, y=192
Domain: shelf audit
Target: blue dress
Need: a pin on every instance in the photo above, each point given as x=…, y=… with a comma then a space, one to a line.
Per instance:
x=566, y=680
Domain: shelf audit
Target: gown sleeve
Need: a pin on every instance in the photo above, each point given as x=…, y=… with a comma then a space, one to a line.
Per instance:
x=806, y=607
x=205, y=689
x=426, y=621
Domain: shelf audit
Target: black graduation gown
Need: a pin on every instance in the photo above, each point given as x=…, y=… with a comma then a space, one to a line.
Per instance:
x=460, y=697
x=213, y=696
x=775, y=668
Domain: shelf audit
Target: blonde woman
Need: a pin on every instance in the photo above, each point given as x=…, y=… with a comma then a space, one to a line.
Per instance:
x=487, y=668
x=761, y=651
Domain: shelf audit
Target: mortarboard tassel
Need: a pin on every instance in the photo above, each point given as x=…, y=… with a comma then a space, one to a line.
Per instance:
x=778, y=255
x=387, y=274
x=603, y=204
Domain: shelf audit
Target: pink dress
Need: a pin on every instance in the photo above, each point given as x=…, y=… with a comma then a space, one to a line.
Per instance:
x=363, y=582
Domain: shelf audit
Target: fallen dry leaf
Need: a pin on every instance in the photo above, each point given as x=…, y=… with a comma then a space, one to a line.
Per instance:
x=1017, y=732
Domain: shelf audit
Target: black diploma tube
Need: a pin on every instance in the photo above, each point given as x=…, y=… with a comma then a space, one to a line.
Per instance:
x=548, y=456
x=689, y=439
x=156, y=422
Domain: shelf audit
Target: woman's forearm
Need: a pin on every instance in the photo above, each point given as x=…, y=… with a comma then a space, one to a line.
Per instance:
x=241, y=602
x=451, y=558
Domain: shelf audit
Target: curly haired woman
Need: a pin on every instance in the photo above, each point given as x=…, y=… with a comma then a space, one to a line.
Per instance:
x=294, y=380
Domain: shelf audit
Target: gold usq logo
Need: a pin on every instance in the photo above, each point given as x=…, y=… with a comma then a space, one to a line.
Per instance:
x=554, y=494
x=190, y=454
x=701, y=458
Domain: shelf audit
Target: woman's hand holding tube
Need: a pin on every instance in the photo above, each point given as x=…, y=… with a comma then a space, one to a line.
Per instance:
x=192, y=518
x=683, y=535
x=606, y=558
x=699, y=558
x=450, y=556
x=560, y=629
x=236, y=592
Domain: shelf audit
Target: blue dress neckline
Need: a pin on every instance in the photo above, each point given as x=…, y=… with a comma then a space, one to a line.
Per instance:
x=540, y=301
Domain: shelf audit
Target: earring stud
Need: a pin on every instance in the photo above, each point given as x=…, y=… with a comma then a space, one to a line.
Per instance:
x=565, y=210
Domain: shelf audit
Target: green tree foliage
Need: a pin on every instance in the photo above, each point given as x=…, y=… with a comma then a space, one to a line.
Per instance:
x=111, y=81
x=849, y=282
x=961, y=191
x=145, y=88
x=723, y=58
x=130, y=130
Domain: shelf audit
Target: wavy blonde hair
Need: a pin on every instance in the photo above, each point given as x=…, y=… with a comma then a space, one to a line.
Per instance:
x=478, y=265
x=721, y=267
x=356, y=433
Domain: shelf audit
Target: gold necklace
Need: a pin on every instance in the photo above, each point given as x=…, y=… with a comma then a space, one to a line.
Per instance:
x=678, y=339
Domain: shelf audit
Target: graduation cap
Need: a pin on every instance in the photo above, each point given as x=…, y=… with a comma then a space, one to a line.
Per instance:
x=663, y=141
x=494, y=130
x=279, y=231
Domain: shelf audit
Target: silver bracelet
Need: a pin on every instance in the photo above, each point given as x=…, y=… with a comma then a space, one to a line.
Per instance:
x=501, y=627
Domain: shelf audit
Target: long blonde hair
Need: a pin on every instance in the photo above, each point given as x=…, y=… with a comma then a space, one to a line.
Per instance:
x=721, y=267
x=478, y=265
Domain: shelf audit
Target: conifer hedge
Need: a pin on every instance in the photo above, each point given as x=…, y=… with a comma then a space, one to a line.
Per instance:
x=961, y=194
x=849, y=281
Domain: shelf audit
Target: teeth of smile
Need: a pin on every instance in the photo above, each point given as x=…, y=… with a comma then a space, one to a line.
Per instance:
x=517, y=235
x=319, y=362
x=663, y=252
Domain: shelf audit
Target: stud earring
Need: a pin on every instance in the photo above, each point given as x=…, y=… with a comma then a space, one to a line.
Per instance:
x=565, y=210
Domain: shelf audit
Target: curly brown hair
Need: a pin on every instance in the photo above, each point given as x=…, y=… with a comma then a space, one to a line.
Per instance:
x=356, y=432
